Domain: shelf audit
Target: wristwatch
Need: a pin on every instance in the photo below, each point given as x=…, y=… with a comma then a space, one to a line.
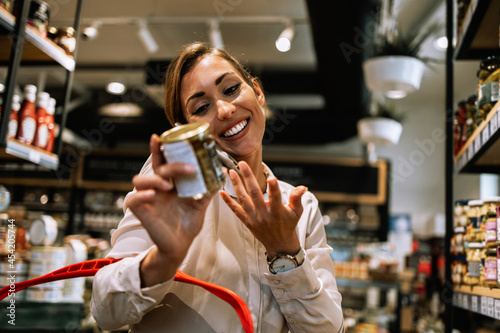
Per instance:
x=285, y=262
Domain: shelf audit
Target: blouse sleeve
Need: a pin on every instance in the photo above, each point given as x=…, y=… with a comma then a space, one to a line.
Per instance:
x=308, y=295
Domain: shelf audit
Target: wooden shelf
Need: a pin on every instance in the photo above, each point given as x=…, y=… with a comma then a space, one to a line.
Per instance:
x=32, y=154
x=485, y=301
x=37, y=49
x=478, y=37
x=480, y=152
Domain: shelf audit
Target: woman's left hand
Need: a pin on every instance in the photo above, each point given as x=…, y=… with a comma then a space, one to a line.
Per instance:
x=271, y=222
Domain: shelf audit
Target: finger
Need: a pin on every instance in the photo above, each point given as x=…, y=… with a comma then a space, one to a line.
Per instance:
x=274, y=194
x=240, y=191
x=175, y=169
x=145, y=182
x=234, y=206
x=156, y=154
x=140, y=200
x=252, y=186
x=295, y=201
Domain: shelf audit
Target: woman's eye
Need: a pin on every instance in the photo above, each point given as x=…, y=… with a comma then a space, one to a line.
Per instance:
x=232, y=90
x=202, y=109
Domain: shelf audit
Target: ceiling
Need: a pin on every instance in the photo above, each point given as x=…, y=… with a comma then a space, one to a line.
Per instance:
x=316, y=91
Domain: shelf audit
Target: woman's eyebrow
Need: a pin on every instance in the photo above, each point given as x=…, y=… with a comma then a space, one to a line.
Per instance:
x=201, y=93
x=220, y=78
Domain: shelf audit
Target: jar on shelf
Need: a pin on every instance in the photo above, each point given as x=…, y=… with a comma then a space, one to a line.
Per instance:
x=460, y=215
x=471, y=111
x=487, y=90
x=64, y=37
x=472, y=233
x=473, y=258
x=491, y=226
x=490, y=268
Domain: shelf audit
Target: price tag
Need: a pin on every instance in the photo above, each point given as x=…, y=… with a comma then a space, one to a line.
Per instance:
x=491, y=307
x=484, y=305
x=497, y=309
x=35, y=156
x=465, y=302
x=485, y=134
x=470, y=152
x=498, y=119
x=477, y=144
x=493, y=125
x=474, y=303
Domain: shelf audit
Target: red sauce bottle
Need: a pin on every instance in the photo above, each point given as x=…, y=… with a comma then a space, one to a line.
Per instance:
x=51, y=125
x=27, y=116
x=42, y=128
x=14, y=117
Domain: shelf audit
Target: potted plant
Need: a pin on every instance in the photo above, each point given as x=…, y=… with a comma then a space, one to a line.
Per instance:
x=382, y=127
x=396, y=67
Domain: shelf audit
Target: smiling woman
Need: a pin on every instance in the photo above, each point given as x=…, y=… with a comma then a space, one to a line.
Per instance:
x=262, y=238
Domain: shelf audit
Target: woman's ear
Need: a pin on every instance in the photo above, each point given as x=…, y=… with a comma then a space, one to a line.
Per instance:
x=259, y=93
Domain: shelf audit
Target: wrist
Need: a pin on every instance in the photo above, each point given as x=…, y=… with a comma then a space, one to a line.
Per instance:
x=156, y=267
x=284, y=262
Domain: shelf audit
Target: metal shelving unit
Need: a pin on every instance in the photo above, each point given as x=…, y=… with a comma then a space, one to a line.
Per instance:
x=23, y=43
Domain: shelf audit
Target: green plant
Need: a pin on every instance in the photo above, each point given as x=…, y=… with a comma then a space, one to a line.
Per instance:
x=406, y=44
x=388, y=111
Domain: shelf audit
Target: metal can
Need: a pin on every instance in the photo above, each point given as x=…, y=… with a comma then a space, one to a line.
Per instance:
x=192, y=144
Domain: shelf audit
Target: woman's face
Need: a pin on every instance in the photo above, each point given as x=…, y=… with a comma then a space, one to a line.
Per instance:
x=213, y=91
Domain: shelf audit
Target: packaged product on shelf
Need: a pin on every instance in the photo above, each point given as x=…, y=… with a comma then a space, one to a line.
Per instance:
x=6, y=4
x=473, y=258
x=43, y=231
x=51, y=125
x=490, y=268
x=460, y=215
x=487, y=91
x=491, y=226
x=471, y=110
x=14, y=117
x=65, y=38
x=39, y=16
x=460, y=128
x=458, y=272
x=472, y=233
x=42, y=127
x=27, y=116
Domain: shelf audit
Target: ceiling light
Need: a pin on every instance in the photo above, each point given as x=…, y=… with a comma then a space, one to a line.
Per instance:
x=120, y=110
x=91, y=32
x=441, y=43
x=147, y=38
x=215, y=34
x=396, y=94
x=2, y=87
x=284, y=41
x=116, y=88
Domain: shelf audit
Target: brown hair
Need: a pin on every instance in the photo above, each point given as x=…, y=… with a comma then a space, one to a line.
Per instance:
x=182, y=64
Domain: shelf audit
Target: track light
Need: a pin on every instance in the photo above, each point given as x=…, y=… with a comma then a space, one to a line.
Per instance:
x=116, y=88
x=92, y=31
x=215, y=34
x=284, y=41
x=147, y=38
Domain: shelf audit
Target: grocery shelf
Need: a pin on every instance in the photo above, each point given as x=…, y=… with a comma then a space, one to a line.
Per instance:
x=38, y=48
x=482, y=300
x=478, y=37
x=480, y=152
x=31, y=153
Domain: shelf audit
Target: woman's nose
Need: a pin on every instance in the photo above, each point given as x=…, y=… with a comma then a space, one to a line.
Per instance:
x=225, y=109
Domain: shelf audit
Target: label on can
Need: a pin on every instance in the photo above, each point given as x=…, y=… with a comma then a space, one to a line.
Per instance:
x=187, y=186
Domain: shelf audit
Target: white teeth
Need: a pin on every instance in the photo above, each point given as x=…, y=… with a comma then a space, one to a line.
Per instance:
x=236, y=129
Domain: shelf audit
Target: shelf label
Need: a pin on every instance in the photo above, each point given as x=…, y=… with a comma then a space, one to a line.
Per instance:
x=477, y=144
x=470, y=152
x=485, y=133
x=498, y=119
x=35, y=156
x=484, y=305
x=465, y=301
x=491, y=307
x=473, y=301
x=494, y=124
x=497, y=308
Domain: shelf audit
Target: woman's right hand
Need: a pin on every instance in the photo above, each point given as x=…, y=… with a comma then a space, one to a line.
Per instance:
x=172, y=222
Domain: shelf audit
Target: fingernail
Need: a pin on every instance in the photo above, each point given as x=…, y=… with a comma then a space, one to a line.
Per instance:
x=189, y=168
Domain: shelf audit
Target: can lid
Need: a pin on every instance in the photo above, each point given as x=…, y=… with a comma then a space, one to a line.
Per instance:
x=184, y=132
x=492, y=199
x=475, y=202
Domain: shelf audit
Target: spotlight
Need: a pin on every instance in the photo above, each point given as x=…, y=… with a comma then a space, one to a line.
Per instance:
x=147, y=38
x=91, y=32
x=215, y=34
x=441, y=43
x=284, y=41
x=116, y=88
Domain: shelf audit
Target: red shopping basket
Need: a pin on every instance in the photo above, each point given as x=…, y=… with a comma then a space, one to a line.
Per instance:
x=90, y=268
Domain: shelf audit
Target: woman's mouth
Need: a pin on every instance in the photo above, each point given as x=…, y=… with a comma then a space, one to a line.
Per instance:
x=235, y=129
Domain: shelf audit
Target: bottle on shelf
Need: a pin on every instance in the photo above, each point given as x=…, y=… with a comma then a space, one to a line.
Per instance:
x=27, y=116
x=42, y=128
x=14, y=117
x=51, y=125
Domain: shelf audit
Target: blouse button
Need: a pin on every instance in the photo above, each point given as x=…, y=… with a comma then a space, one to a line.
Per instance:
x=281, y=292
x=276, y=282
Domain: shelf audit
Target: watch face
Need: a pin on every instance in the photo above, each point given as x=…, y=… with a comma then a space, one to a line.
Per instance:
x=283, y=265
